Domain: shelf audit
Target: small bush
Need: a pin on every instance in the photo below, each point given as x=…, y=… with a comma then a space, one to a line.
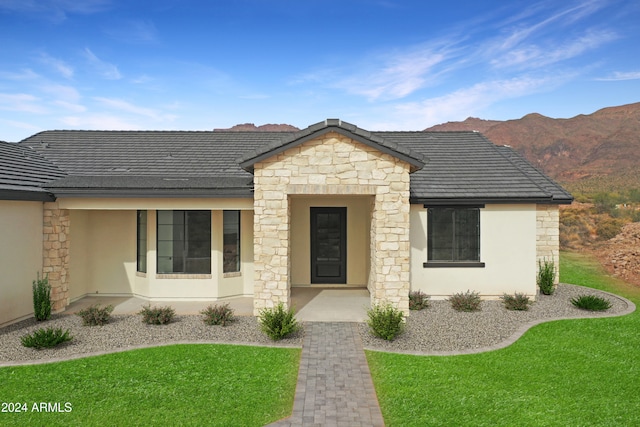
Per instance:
x=546, y=276
x=41, y=298
x=217, y=314
x=45, y=338
x=157, y=315
x=468, y=301
x=609, y=228
x=277, y=322
x=517, y=301
x=418, y=300
x=591, y=303
x=385, y=321
x=95, y=315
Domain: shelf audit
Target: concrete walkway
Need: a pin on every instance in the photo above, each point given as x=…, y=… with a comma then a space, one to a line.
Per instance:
x=334, y=383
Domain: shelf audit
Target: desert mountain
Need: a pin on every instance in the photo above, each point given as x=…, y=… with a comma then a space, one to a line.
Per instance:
x=250, y=127
x=602, y=145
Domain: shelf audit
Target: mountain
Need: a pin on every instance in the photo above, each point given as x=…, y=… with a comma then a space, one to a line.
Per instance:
x=603, y=147
x=250, y=127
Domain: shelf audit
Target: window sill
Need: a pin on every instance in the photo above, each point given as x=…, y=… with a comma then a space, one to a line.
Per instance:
x=141, y=273
x=441, y=264
x=231, y=274
x=183, y=276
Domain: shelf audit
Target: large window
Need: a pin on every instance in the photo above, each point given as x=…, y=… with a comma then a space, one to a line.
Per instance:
x=141, y=247
x=453, y=235
x=231, y=250
x=184, y=242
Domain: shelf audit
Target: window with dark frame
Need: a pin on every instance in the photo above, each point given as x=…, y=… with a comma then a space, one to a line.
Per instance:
x=184, y=242
x=453, y=235
x=141, y=246
x=231, y=242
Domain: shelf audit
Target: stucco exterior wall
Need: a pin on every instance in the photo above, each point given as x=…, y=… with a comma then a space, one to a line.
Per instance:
x=20, y=257
x=332, y=165
x=507, y=247
x=358, y=230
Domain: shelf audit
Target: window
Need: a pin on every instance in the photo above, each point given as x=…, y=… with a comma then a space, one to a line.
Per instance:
x=231, y=249
x=141, y=247
x=184, y=242
x=453, y=236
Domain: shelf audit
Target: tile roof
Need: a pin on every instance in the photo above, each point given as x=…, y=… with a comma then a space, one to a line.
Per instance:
x=458, y=167
x=23, y=172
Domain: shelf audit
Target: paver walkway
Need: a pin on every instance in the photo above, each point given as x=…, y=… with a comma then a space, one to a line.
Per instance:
x=334, y=383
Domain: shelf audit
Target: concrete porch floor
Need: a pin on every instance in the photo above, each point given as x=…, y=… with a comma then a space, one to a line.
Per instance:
x=312, y=304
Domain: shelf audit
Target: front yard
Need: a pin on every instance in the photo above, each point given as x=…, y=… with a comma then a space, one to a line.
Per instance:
x=572, y=372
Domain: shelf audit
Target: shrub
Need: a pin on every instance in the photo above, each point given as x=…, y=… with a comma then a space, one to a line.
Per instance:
x=546, y=276
x=95, y=315
x=157, y=315
x=277, y=322
x=591, y=303
x=418, y=300
x=609, y=228
x=517, y=301
x=385, y=321
x=468, y=301
x=45, y=338
x=41, y=298
x=217, y=314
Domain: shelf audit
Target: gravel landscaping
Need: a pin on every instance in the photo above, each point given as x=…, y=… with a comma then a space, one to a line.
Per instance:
x=436, y=330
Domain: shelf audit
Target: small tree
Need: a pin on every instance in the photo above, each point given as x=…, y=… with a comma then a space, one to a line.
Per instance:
x=41, y=298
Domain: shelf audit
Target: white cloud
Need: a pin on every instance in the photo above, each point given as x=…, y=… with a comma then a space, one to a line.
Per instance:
x=58, y=65
x=106, y=69
x=22, y=102
x=621, y=75
x=54, y=10
x=127, y=107
x=26, y=74
x=99, y=122
x=135, y=31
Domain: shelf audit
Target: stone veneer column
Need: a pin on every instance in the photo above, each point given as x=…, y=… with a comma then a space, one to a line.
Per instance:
x=55, y=253
x=332, y=165
x=548, y=235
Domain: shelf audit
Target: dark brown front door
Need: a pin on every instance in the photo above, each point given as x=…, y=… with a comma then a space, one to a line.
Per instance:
x=328, y=245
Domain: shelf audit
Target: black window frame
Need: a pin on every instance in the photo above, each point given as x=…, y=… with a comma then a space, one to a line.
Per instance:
x=181, y=232
x=457, y=245
x=141, y=241
x=231, y=261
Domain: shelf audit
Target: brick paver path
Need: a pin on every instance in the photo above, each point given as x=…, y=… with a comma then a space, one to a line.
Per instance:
x=334, y=383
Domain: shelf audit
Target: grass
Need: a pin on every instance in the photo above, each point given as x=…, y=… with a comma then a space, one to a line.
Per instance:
x=565, y=373
x=192, y=384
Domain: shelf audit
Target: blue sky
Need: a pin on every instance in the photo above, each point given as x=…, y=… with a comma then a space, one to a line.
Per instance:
x=380, y=64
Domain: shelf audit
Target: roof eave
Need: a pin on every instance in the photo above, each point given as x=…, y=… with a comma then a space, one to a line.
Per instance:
x=26, y=195
x=216, y=193
x=443, y=201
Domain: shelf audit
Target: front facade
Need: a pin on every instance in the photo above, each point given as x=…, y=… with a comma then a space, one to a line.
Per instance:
x=215, y=215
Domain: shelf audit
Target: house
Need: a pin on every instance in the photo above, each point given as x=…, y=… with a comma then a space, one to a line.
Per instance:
x=176, y=215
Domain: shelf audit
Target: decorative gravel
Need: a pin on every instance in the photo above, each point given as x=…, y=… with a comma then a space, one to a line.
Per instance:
x=125, y=332
x=440, y=329
x=436, y=330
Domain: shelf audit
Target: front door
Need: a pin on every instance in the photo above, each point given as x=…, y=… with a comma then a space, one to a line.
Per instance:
x=328, y=245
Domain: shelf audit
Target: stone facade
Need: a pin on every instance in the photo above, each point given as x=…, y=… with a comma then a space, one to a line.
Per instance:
x=548, y=235
x=329, y=165
x=55, y=253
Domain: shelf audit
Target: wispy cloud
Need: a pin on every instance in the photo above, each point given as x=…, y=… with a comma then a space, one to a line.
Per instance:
x=99, y=122
x=106, y=69
x=63, y=96
x=58, y=65
x=126, y=107
x=135, y=32
x=55, y=10
x=621, y=75
x=22, y=102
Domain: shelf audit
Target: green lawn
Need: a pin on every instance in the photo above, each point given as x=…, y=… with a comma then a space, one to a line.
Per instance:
x=199, y=384
x=565, y=373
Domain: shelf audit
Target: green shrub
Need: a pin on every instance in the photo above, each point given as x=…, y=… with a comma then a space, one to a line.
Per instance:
x=546, y=276
x=45, y=338
x=157, y=315
x=591, y=303
x=41, y=298
x=277, y=322
x=609, y=228
x=517, y=301
x=468, y=301
x=418, y=300
x=385, y=321
x=217, y=314
x=95, y=315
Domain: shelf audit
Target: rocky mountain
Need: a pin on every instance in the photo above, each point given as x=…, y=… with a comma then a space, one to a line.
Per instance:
x=603, y=146
x=250, y=127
